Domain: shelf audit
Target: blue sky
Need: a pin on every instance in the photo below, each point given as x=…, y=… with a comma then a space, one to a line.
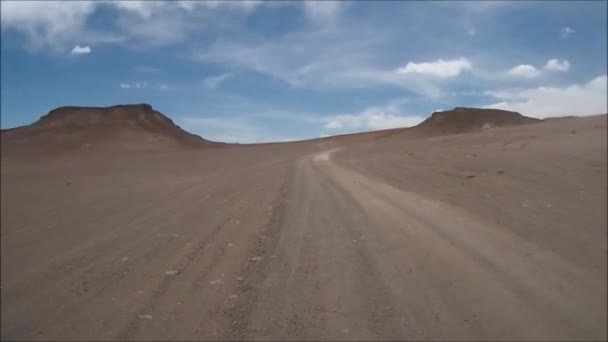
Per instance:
x=254, y=71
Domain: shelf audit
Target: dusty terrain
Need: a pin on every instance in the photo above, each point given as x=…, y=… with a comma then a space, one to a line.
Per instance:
x=496, y=234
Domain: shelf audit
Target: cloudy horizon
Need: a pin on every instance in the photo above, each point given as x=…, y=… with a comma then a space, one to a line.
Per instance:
x=255, y=71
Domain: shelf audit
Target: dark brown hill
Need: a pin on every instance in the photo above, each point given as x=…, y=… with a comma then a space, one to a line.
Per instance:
x=122, y=127
x=462, y=120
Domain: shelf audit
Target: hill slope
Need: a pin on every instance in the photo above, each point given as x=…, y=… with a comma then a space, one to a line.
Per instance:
x=461, y=120
x=122, y=127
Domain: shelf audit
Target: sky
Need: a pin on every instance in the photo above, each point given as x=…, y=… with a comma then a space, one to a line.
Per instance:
x=259, y=71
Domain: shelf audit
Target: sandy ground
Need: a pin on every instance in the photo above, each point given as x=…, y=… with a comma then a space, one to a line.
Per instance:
x=498, y=235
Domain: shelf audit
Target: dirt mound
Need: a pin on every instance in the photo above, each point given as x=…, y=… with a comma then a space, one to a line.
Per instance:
x=461, y=120
x=123, y=127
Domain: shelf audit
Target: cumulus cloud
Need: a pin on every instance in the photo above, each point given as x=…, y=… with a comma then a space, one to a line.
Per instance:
x=578, y=99
x=566, y=32
x=81, y=50
x=557, y=65
x=213, y=82
x=524, y=70
x=439, y=68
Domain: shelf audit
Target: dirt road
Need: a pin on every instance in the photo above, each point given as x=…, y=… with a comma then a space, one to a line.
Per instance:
x=278, y=243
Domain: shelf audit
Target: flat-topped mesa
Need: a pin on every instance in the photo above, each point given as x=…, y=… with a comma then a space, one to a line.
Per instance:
x=93, y=116
x=116, y=128
x=463, y=119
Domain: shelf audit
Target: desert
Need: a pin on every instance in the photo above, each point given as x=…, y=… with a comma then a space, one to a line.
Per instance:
x=116, y=224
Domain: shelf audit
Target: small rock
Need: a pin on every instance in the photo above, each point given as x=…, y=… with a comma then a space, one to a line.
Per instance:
x=171, y=272
x=257, y=258
x=239, y=278
x=215, y=282
x=233, y=296
x=230, y=244
x=238, y=222
x=124, y=259
x=144, y=316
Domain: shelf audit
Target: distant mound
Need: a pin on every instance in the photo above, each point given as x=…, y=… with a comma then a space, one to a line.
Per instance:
x=461, y=120
x=123, y=127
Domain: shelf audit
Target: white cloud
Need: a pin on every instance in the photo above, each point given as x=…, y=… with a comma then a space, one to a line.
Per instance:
x=322, y=11
x=244, y=5
x=46, y=23
x=231, y=129
x=58, y=24
x=566, y=32
x=524, y=70
x=136, y=85
x=439, y=68
x=80, y=50
x=557, y=65
x=213, y=82
x=373, y=118
x=578, y=100
x=370, y=121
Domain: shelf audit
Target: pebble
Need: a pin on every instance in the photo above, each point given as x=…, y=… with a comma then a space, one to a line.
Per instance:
x=257, y=258
x=171, y=272
x=144, y=316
